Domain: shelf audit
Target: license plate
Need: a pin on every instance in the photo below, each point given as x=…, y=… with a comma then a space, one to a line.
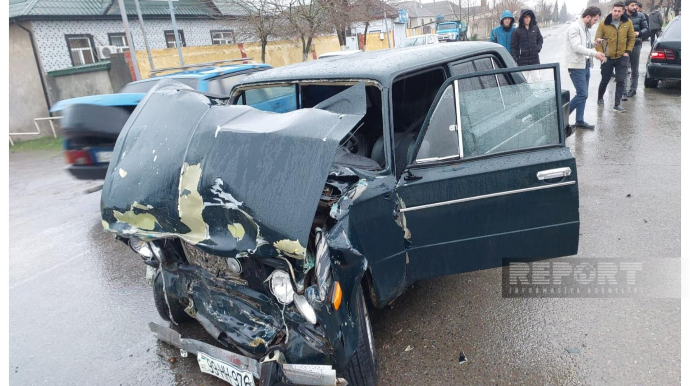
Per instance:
x=224, y=371
x=103, y=156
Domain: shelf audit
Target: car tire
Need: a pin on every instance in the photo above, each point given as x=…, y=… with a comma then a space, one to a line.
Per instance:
x=176, y=308
x=363, y=369
x=650, y=82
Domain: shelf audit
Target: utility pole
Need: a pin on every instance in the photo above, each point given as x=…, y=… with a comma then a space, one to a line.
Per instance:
x=177, y=35
x=128, y=36
x=143, y=32
x=388, y=36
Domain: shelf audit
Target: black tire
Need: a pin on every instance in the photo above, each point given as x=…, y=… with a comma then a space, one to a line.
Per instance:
x=176, y=308
x=650, y=82
x=363, y=369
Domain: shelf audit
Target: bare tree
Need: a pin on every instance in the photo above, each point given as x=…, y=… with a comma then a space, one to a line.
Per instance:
x=258, y=19
x=339, y=14
x=305, y=19
x=365, y=12
x=513, y=6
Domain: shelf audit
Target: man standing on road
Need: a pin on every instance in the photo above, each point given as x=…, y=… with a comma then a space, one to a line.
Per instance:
x=617, y=34
x=504, y=32
x=656, y=21
x=526, y=41
x=578, y=60
x=640, y=26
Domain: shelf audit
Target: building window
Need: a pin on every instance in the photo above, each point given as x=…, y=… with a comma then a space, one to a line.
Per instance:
x=222, y=37
x=118, y=40
x=170, y=38
x=81, y=49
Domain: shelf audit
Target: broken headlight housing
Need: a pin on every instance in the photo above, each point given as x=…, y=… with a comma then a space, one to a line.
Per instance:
x=322, y=265
x=281, y=286
x=141, y=247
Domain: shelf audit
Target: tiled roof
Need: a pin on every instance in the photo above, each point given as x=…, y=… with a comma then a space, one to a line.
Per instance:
x=416, y=9
x=72, y=8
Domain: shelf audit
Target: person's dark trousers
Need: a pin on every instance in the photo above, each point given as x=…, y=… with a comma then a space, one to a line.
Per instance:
x=580, y=78
x=621, y=65
x=652, y=35
x=634, y=64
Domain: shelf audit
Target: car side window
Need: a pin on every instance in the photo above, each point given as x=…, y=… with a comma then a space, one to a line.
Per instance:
x=441, y=138
x=479, y=115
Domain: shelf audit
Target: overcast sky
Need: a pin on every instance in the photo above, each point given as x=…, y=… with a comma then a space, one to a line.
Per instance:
x=575, y=7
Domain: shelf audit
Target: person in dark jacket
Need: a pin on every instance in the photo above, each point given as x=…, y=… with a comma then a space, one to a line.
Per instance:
x=526, y=41
x=656, y=20
x=641, y=28
x=503, y=33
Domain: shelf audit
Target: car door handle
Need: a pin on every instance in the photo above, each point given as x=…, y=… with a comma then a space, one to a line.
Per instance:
x=553, y=173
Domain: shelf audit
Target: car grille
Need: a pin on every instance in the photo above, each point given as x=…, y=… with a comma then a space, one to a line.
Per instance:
x=216, y=265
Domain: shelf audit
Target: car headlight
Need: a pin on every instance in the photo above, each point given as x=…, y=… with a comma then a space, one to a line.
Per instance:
x=322, y=265
x=141, y=247
x=305, y=308
x=281, y=286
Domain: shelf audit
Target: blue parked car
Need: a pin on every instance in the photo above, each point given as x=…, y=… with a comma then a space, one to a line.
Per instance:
x=91, y=124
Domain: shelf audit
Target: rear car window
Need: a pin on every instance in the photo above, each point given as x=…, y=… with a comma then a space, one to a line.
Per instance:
x=673, y=31
x=145, y=86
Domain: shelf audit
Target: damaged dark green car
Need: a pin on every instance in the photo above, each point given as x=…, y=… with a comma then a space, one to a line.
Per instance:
x=276, y=216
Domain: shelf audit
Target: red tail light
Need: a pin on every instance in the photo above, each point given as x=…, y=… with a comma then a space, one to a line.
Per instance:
x=78, y=157
x=670, y=55
x=660, y=55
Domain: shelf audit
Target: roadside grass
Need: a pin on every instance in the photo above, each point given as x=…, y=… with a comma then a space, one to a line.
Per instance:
x=45, y=143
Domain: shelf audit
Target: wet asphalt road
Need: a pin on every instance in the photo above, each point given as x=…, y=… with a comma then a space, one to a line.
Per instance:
x=79, y=302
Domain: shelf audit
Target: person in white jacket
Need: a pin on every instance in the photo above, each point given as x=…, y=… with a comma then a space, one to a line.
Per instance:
x=579, y=52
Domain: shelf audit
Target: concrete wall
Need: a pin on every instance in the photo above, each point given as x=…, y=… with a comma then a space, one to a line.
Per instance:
x=27, y=100
x=78, y=85
x=278, y=53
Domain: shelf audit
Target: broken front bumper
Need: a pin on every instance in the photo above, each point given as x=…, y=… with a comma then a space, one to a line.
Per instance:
x=269, y=372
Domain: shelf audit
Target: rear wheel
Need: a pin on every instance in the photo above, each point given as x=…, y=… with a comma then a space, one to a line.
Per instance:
x=363, y=369
x=650, y=82
x=176, y=309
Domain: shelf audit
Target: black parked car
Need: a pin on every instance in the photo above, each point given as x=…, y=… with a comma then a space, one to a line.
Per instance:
x=275, y=230
x=664, y=59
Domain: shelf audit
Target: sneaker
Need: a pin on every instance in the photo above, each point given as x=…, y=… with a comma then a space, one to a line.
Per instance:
x=600, y=103
x=624, y=97
x=618, y=108
x=632, y=93
x=584, y=125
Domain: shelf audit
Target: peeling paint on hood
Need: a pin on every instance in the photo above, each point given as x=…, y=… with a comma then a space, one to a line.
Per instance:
x=229, y=171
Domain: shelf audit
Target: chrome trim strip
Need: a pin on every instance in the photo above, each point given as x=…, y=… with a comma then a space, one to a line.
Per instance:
x=411, y=208
x=457, y=118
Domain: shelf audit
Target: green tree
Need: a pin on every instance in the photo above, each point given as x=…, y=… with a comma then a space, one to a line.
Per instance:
x=564, y=14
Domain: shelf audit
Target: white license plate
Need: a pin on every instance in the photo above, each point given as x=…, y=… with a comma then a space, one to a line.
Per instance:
x=103, y=156
x=224, y=371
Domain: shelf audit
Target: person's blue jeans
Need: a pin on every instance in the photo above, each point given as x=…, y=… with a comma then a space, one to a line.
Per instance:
x=580, y=78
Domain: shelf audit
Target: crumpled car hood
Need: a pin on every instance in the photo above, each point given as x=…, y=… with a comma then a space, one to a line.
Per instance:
x=227, y=179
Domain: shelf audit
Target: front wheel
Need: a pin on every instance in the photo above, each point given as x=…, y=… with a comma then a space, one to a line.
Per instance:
x=171, y=306
x=363, y=369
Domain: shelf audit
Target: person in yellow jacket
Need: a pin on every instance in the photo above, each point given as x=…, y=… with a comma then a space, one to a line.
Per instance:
x=616, y=38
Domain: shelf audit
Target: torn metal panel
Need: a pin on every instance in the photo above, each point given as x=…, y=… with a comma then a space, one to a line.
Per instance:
x=224, y=165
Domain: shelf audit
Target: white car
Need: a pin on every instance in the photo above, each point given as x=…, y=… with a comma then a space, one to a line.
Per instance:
x=419, y=40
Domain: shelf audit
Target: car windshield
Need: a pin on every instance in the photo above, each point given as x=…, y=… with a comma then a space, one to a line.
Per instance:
x=408, y=42
x=145, y=86
x=447, y=26
x=673, y=31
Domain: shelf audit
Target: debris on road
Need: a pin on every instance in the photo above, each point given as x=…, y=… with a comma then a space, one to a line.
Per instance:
x=573, y=350
x=629, y=195
x=409, y=348
x=463, y=357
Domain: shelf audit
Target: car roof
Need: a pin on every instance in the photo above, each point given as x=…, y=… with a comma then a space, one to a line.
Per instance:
x=209, y=72
x=382, y=65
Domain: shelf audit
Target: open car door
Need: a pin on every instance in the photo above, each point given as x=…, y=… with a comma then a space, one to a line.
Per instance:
x=491, y=177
